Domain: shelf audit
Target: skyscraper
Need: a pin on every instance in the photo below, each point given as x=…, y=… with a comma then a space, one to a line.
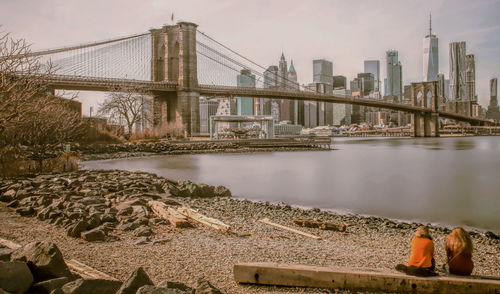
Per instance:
x=245, y=105
x=270, y=82
x=457, y=71
x=322, y=71
x=271, y=77
x=292, y=76
x=323, y=80
x=470, y=77
x=282, y=72
x=373, y=67
x=288, y=107
x=365, y=83
x=295, y=105
x=443, y=88
x=493, y=93
x=493, y=109
x=431, y=55
x=394, y=82
x=339, y=82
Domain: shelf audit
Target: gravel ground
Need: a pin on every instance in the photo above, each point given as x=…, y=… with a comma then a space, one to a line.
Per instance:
x=373, y=243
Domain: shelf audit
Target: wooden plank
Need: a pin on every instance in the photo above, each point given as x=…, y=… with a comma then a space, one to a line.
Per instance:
x=9, y=244
x=268, y=222
x=162, y=210
x=205, y=220
x=88, y=272
x=82, y=269
x=310, y=223
x=366, y=281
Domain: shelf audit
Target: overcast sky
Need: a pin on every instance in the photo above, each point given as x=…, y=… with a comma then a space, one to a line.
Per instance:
x=347, y=32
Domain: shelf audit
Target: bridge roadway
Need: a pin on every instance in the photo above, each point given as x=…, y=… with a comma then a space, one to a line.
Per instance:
x=80, y=83
x=208, y=90
x=68, y=82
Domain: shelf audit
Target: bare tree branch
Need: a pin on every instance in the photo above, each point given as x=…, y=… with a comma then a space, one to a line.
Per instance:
x=130, y=104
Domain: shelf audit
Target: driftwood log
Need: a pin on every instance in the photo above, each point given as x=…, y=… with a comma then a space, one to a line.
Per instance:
x=311, y=223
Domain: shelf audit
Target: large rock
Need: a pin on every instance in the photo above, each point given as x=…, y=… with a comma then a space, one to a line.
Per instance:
x=143, y=231
x=175, y=285
x=5, y=254
x=44, y=260
x=81, y=286
x=204, y=287
x=94, y=235
x=8, y=196
x=188, y=189
x=15, y=277
x=136, y=280
x=46, y=287
x=25, y=211
x=222, y=191
x=76, y=229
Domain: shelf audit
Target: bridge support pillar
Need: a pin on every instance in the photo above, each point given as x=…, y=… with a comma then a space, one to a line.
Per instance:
x=174, y=59
x=177, y=110
x=417, y=122
x=425, y=123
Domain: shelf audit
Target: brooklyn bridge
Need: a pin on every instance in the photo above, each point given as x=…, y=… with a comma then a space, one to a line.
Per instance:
x=177, y=64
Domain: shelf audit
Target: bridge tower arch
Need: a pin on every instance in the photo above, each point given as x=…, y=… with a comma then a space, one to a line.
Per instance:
x=173, y=59
x=425, y=124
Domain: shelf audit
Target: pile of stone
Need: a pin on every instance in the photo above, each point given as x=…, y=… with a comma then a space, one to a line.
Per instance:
x=92, y=204
x=155, y=147
x=39, y=267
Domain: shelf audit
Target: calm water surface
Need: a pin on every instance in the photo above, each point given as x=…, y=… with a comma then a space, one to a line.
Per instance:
x=452, y=181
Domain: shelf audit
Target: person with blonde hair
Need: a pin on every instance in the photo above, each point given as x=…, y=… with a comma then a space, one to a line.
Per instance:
x=458, y=246
x=421, y=262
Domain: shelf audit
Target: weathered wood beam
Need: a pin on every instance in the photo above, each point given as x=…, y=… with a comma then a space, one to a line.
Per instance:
x=176, y=219
x=268, y=222
x=335, y=278
x=204, y=220
x=87, y=271
x=9, y=244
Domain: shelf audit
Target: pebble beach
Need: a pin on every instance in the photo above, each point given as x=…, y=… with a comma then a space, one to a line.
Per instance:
x=186, y=254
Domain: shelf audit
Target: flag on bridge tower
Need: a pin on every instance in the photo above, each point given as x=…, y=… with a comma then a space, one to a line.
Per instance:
x=172, y=18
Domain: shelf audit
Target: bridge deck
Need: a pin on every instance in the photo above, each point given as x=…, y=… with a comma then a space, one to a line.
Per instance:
x=65, y=82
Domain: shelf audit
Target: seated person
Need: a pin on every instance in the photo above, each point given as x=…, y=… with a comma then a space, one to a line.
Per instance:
x=421, y=262
x=458, y=246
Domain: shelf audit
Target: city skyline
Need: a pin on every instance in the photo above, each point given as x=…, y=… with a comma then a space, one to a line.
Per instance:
x=302, y=32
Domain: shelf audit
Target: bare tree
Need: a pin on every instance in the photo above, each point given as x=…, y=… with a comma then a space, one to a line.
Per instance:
x=43, y=133
x=21, y=81
x=29, y=116
x=130, y=104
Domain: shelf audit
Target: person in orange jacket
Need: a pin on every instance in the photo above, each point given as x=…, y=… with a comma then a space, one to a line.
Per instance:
x=421, y=262
x=458, y=246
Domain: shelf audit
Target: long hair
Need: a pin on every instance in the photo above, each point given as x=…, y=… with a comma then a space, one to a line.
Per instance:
x=458, y=241
x=422, y=232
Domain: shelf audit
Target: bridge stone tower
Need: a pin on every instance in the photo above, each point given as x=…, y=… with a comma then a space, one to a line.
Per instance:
x=425, y=94
x=173, y=59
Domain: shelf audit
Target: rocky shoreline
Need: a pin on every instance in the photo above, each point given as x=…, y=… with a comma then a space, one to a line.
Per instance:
x=69, y=208
x=114, y=151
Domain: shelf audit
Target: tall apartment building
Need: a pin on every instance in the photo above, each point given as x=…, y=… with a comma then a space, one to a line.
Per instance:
x=457, y=71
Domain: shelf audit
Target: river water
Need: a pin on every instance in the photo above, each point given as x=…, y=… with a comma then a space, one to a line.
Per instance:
x=450, y=181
